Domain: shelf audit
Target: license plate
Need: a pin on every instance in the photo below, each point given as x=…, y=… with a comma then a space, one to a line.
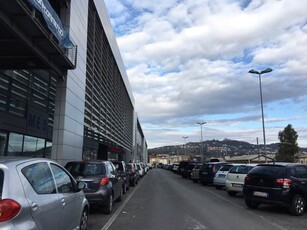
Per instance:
x=237, y=185
x=261, y=194
x=205, y=173
x=221, y=175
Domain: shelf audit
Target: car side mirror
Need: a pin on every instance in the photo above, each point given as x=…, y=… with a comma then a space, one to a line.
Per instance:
x=80, y=185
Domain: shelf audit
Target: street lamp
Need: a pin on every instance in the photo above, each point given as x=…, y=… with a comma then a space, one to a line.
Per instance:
x=263, y=129
x=201, y=139
x=185, y=144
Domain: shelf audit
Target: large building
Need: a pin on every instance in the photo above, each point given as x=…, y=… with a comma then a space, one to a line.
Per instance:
x=64, y=91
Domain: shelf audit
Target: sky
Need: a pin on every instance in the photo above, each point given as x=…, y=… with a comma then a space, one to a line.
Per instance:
x=188, y=61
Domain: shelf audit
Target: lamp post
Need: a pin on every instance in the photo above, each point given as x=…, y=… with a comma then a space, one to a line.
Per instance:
x=263, y=129
x=185, y=144
x=201, y=139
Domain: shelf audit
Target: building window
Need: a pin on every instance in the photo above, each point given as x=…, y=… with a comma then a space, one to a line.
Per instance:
x=15, y=144
x=34, y=147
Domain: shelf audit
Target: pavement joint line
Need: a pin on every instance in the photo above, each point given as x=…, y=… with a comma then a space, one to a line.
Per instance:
x=115, y=215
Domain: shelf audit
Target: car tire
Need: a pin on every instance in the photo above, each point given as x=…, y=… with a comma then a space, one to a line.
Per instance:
x=133, y=184
x=107, y=209
x=251, y=204
x=218, y=187
x=120, y=198
x=195, y=181
x=84, y=220
x=231, y=193
x=298, y=204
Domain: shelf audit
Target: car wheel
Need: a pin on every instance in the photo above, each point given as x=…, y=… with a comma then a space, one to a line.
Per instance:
x=297, y=207
x=120, y=198
x=107, y=209
x=218, y=187
x=195, y=181
x=84, y=220
x=251, y=204
x=128, y=186
x=231, y=193
x=133, y=184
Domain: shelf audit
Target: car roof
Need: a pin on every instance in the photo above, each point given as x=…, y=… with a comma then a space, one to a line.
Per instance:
x=216, y=163
x=278, y=164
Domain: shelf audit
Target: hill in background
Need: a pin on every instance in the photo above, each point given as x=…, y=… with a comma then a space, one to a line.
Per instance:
x=216, y=148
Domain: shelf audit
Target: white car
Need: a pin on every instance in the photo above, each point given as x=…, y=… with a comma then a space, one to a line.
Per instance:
x=219, y=179
x=235, y=178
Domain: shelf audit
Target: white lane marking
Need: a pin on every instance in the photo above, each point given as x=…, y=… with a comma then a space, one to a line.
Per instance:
x=115, y=215
x=191, y=223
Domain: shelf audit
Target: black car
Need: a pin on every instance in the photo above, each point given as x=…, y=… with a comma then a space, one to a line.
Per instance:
x=283, y=184
x=182, y=165
x=103, y=184
x=133, y=174
x=188, y=168
x=208, y=171
x=122, y=171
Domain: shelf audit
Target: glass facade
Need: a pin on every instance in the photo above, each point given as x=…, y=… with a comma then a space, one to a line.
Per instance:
x=22, y=145
x=27, y=103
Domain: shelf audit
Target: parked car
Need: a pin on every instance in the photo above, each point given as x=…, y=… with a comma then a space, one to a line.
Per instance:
x=208, y=171
x=195, y=172
x=175, y=168
x=122, y=171
x=188, y=168
x=40, y=194
x=140, y=170
x=103, y=183
x=283, y=184
x=182, y=165
x=219, y=179
x=235, y=178
x=133, y=174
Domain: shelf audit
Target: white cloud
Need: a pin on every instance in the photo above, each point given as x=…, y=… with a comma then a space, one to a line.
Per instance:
x=189, y=60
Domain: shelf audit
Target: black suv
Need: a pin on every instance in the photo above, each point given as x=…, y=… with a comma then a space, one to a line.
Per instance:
x=208, y=171
x=122, y=171
x=283, y=184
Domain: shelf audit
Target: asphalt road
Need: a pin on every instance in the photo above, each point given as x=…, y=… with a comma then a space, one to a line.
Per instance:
x=164, y=200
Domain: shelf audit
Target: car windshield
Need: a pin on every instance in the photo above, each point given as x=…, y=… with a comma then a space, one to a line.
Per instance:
x=86, y=169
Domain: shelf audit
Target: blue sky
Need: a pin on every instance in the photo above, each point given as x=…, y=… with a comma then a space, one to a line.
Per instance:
x=188, y=61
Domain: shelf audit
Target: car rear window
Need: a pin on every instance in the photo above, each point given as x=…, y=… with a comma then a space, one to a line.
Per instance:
x=86, y=169
x=269, y=170
x=207, y=167
x=225, y=168
x=240, y=169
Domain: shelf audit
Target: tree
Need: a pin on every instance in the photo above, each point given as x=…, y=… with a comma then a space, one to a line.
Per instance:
x=287, y=148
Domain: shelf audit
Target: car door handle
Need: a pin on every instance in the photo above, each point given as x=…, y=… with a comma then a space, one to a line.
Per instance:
x=63, y=202
x=34, y=206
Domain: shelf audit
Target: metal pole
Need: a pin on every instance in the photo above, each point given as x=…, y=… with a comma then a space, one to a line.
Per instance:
x=263, y=128
x=201, y=139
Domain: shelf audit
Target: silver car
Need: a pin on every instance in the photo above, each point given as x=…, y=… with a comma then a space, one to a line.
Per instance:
x=40, y=194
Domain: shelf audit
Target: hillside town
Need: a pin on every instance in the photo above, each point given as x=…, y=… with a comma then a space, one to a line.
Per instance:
x=225, y=150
